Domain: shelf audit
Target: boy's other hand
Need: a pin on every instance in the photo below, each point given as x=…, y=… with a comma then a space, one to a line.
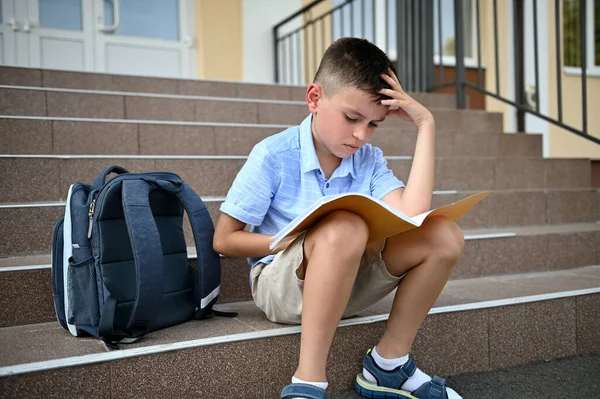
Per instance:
x=408, y=108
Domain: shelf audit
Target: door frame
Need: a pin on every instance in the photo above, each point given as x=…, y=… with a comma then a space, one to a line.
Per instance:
x=9, y=40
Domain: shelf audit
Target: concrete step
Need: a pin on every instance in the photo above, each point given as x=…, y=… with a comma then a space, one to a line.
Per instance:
x=42, y=178
x=192, y=87
x=46, y=135
x=27, y=295
x=28, y=227
x=73, y=103
x=477, y=324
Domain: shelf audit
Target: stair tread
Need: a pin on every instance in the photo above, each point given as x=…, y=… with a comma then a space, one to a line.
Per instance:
x=48, y=341
x=479, y=233
x=33, y=204
x=538, y=229
x=441, y=128
x=182, y=96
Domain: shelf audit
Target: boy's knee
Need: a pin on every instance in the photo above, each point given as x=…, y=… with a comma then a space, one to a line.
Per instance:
x=342, y=227
x=447, y=239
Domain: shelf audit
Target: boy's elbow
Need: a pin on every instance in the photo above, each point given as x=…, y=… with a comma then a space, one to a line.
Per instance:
x=219, y=245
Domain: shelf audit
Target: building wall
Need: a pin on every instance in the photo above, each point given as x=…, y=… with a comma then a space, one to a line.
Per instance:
x=564, y=144
x=259, y=17
x=219, y=39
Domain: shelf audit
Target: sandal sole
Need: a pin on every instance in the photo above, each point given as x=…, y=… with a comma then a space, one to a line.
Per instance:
x=369, y=390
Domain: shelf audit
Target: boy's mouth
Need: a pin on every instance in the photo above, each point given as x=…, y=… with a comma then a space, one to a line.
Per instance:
x=351, y=147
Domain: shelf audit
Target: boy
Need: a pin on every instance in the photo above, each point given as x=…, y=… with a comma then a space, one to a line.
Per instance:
x=330, y=271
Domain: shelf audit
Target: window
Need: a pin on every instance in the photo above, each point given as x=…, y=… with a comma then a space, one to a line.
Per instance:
x=153, y=19
x=572, y=34
x=61, y=14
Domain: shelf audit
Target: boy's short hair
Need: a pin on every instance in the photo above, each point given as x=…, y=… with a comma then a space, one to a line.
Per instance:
x=353, y=62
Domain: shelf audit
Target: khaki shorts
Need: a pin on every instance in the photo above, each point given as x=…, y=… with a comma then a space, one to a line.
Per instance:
x=277, y=287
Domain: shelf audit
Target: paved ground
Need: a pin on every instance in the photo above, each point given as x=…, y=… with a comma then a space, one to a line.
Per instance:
x=575, y=377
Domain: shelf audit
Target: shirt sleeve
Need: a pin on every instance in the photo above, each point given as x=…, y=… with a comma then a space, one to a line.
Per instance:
x=383, y=181
x=250, y=195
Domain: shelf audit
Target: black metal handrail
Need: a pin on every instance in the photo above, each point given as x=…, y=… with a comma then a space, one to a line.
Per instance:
x=291, y=47
x=519, y=103
x=413, y=31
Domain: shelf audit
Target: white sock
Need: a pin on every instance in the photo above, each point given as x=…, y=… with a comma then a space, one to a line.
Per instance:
x=388, y=364
x=418, y=378
x=322, y=385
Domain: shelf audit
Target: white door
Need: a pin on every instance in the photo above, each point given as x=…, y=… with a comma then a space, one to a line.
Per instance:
x=138, y=37
x=60, y=34
x=145, y=37
x=8, y=29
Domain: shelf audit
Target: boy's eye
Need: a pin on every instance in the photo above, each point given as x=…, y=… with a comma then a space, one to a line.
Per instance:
x=350, y=119
x=373, y=124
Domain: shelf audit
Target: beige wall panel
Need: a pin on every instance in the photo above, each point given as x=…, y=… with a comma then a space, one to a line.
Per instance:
x=488, y=57
x=219, y=39
x=564, y=144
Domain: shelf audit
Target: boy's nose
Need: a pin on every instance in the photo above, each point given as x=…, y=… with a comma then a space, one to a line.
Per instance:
x=361, y=134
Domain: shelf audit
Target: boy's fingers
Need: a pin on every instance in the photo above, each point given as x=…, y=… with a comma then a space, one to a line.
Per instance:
x=392, y=93
x=393, y=75
x=398, y=103
x=389, y=79
x=393, y=83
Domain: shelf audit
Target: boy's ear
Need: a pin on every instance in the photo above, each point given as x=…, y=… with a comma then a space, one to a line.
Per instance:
x=314, y=93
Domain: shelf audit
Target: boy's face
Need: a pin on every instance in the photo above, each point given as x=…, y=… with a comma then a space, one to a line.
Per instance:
x=344, y=122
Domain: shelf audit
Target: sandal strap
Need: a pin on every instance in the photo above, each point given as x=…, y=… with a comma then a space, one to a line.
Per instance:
x=389, y=378
x=434, y=389
x=303, y=391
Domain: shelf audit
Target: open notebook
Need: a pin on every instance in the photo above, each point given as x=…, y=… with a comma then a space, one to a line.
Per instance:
x=383, y=220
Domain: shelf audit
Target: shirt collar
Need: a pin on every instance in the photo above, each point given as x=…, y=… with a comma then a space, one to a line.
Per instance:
x=308, y=154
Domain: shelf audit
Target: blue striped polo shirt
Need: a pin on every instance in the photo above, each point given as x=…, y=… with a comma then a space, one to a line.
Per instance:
x=282, y=178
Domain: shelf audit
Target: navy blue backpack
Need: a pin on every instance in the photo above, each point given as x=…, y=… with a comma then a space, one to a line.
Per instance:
x=119, y=260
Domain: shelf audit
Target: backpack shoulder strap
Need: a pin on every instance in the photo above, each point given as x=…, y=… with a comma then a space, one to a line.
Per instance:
x=147, y=253
x=209, y=264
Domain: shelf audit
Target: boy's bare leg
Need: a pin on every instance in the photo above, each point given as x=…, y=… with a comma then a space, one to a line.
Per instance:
x=332, y=252
x=427, y=255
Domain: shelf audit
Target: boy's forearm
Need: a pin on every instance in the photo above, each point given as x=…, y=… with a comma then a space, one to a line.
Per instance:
x=416, y=198
x=246, y=244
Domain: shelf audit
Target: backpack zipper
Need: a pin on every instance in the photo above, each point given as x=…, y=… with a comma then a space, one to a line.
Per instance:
x=91, y=217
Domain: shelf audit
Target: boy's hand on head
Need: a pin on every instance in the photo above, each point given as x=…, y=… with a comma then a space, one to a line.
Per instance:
x=408, y=108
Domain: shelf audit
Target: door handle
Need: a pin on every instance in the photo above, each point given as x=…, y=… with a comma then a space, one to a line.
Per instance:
x=27, y=25
x=12, y=22
x=116, y=19
x=189, y=41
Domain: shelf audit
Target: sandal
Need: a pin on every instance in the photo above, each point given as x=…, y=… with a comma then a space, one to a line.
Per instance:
x=389, y=382
x=303, y=391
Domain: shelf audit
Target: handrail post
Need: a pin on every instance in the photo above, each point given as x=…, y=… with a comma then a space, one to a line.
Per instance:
x=459, y=53
x=519, y=57
x=276, y=54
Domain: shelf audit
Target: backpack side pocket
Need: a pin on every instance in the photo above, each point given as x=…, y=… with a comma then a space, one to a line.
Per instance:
x=82, y=293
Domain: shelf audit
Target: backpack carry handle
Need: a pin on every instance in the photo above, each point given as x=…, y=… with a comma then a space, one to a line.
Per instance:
x=172, y=186
x=101, y=178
